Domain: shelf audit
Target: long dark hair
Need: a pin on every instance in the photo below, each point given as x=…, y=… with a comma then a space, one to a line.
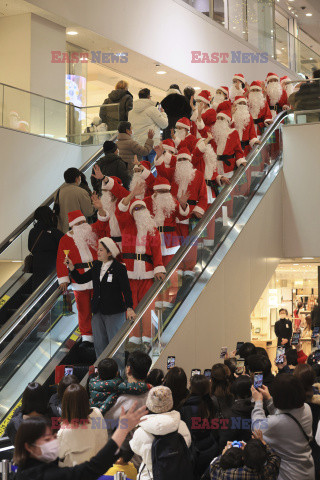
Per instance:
x=220, y=380
x=176, y=380
x=34, y=399
x=30, y=430
x=75, y=404
x=200, y=387
x=44, y=216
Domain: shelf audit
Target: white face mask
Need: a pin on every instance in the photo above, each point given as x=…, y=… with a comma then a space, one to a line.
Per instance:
x=49, y=451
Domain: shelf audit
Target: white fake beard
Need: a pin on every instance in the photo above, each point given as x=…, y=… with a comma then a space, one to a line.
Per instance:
x=234, y=92
x=217, y=99
x=274, y=91
x=183, y=176
x=210, y=160
x=138, y=180
x=256, y=102
x=84, y=237
x=289, y=89
x=241, y=118
x=180, y=134
x=220, y=132
x=163, y=206
x=109, y=206
x=144, y=222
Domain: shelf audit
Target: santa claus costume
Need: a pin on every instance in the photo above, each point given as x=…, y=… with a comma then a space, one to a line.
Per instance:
x=258, y=107
x=203, y=99
x=80, y=245
x=141, y=253
x=287, y=86
x=220, y=100
x=238, y=87
x=226, y=144
x=109, y=202
x=183, y=137
x=142, y=177
x=278, y=100
x=169, y=154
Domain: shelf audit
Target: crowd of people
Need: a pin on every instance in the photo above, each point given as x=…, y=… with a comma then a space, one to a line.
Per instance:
x=154, y=425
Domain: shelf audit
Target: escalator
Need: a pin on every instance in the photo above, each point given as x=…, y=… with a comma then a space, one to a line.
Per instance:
x=49, y=337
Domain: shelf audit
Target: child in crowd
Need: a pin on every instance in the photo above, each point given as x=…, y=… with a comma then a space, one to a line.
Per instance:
x=124, y=465
x=252, y=461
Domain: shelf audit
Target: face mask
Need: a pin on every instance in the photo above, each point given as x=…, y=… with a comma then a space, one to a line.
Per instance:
x=49, y=451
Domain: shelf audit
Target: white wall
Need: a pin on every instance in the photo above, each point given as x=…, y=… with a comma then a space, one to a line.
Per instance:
x=165, y=31
x=301, y=226
x=31, y=170
x=221, y=315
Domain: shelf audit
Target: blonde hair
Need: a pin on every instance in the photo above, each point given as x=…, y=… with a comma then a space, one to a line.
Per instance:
x=122, y=85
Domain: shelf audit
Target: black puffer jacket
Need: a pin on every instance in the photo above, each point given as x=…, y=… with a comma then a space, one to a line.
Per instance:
x=113, y=166
x=125, y=100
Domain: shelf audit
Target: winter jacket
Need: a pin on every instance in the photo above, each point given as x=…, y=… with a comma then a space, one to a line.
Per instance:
x=176, y=106
x=55, y=405
x=145, y=116
x=72, y=197
x=307, y=97
x=239, y=423
x=111, y=165
x=155, y=424
x=112, y=117
x=129, y=147
x=77, y=445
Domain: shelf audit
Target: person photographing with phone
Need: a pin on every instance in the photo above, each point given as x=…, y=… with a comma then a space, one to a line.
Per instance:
x=112, y=297
x=283, y=328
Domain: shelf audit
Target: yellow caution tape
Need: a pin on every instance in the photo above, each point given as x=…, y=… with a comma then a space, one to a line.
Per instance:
x=4, y=300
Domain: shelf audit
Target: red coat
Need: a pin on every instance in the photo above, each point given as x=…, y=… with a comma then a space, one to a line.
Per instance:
x=150, y=245
x=170, y=241
x=247, y=136
x=85, y=255
x=262, y=119
x=276, y=108
x=198, y=161
x=120, y=192
x=232, y=147
x=189, y=142
x=169, y=159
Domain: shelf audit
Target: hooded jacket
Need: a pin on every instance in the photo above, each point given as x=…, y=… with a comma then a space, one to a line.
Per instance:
x=112, y=116
x=176, y=106
x=155, y=424
x=145, y=116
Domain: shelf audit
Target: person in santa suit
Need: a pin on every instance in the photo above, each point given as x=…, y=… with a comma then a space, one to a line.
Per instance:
x=169, y=154
x=182, y=136
x=142, y=177
x=276, y=96
x=203, y=116
x=238, y=87
x=287, y=86
x=258, y=107
x=221, y=101
x=80, y=245
x=141, y=253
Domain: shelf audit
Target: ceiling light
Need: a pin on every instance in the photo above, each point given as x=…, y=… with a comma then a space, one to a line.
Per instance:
x=161, y=72
x=291, y=0
x=307, y=258
x=295, y=264
x=72, y=32
x=234, y=28
x=308, y=14
x=197, y=88
x=310, y=58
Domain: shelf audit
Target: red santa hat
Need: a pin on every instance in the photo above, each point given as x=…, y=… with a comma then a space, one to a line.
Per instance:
x=169, y=145
x=225, y=90
x=161, y=183
x=135, y=203
x=226, y=114
x=108, y=243
x=184, y=122
x=204, y=96
x=117, y=180
x=284, y=79
x=75, y=217
x=240, y=98
x=256, y=84
x=239, y=76
x=209, y=117
x=272, y=76
x=146, y=164
x=184, y=153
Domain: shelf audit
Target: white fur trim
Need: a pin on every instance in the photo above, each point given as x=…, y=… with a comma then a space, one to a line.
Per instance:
x=240, y=161
x=63, y=280
x=185, y=212
x=111, y=246
x=108, y=185
x=145, y=173
x=122, y=207
x=160, y=269
x=218, y=180
x=200, y=124
x=198, y=209
x=164, y=186
x=169, y=250
x=239, y=78
x=221, y=114
x=103, y=219
x=256, y=86
x=184, y=155
x=87, y=338
x=184, y=222
x=240, y=100
x=268, y=121
x=272, y=77
x=168, y=148
x=223, y=90
x=204, y=100
x=136, y=202
x=183, y=125
x=253, y=141
x=76, y=220
x=201, y=146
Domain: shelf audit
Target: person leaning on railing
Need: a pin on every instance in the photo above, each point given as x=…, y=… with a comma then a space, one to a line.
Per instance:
x=308, y=97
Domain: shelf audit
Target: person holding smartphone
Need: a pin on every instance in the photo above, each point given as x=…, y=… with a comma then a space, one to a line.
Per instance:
x=283, y=328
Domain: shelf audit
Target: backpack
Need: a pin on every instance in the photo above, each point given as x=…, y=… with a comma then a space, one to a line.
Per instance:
x=171, y=459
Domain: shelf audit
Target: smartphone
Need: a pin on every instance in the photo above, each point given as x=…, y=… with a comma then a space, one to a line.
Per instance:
x=281, y=351
x=295, y=338
x=171, y=361
x=239, y=345
x=223, y=352
x=258, y=379
x=207, y=372
x=195, y=371
x=240, y=366
x=68, y=371
x=315, y=332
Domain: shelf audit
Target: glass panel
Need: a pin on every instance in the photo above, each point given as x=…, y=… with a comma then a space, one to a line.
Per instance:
x=36, y=115
x=54, y=119
x=16, y=109
x=282, y=46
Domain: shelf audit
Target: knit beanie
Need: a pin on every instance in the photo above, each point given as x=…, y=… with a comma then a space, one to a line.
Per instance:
x=159, y=400
x=109, y=147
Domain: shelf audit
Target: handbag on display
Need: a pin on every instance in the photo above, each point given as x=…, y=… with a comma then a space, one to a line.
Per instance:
x=28, y=261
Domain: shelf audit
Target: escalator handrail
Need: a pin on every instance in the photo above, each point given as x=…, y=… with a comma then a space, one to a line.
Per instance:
x=49, y=201
x=155, y=289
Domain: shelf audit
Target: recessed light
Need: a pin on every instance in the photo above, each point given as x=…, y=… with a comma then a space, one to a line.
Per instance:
x=234, y=28
x=308, y=14
x=296, y=264
x=291, y=0
x=197, y=88
x=161, y=72
x=307, y=258
x=310, y=58
x=72, y=32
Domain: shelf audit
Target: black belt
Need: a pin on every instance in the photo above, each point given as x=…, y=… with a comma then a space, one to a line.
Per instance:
x=192, y=202
x=245, y=143
x=83, y=265
x=117, y=239
x=213, y=185
x=225, y=159
x=258, y=120
x=138, y=256
x=277, y=108
x=165, y=229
